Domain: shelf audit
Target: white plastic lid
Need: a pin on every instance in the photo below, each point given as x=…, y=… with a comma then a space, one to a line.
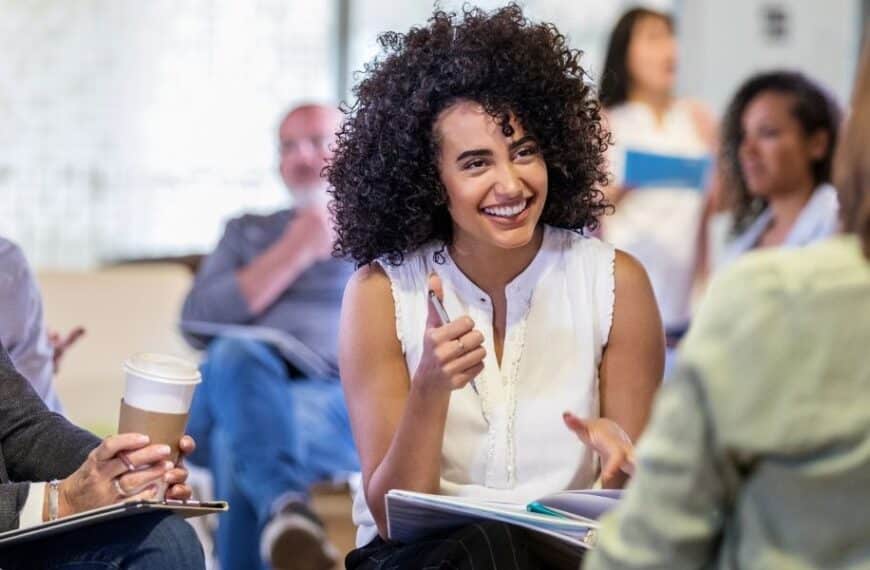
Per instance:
x=163, y=368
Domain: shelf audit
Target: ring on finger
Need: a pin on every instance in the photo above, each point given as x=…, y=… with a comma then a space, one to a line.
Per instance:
x=117, y=483
x=461, y=346
x=126, y=461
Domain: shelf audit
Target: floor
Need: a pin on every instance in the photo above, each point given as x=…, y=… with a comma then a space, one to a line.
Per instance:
x=334, y=507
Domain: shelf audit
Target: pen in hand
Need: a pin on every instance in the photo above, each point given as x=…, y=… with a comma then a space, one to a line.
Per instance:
x=442, y=314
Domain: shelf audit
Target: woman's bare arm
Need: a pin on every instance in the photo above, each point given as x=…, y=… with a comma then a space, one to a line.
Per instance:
x=398, y=424
x=633, y=361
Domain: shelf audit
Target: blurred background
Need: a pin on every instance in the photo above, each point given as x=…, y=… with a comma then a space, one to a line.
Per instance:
x=133, y=130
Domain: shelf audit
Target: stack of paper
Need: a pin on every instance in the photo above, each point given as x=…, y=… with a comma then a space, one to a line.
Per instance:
x=414, y=516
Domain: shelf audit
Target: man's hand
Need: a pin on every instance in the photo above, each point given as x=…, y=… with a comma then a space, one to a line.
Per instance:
x=310, y=233
x=307, y=239
x=62, y=344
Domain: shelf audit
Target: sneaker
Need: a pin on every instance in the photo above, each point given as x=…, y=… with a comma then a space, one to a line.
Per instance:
x=294, y=539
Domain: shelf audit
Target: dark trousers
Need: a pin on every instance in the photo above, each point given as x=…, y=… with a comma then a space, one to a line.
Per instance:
x=479, y=546
x=143, y=542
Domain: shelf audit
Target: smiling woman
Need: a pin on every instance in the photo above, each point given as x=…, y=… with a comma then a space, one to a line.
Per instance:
x=778, y=146
x=470, y=167
x=388, y=145
x=496, y=183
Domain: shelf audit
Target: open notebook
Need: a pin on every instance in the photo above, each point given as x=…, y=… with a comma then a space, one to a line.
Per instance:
x=414, y=516
x=186, y=509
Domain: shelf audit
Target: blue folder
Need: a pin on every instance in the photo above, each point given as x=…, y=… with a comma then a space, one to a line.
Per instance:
x=653, y=170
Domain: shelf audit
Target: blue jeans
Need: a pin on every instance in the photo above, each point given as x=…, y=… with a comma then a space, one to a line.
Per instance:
x=264, y=436
x=142, y=542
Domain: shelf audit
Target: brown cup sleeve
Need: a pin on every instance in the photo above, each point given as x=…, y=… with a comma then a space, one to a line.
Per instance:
x=160, y=427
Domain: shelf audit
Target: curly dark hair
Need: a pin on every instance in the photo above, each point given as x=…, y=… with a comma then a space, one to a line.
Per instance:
x=388, y=197
x=814, y=109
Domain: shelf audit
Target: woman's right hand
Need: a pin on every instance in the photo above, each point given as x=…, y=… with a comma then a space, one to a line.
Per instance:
x=94, y=485
x=453, y=353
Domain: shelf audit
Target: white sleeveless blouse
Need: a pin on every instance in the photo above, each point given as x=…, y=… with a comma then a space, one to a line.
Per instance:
x=509, y=442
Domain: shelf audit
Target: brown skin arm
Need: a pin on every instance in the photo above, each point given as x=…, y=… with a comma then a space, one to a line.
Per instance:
x=633, y=361
x=398, y=424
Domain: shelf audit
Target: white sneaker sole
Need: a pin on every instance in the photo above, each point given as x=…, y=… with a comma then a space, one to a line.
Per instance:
x=296, y=543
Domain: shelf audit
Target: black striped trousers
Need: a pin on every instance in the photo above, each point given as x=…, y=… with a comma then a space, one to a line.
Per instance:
x=479, y=546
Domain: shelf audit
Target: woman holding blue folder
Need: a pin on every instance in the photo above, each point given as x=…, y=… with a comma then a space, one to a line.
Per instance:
x=660, y=160
x=470, y=167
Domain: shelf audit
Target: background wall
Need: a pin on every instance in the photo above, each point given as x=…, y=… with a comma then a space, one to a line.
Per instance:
x=135, y=129
x=586, y=23
x=725, y=41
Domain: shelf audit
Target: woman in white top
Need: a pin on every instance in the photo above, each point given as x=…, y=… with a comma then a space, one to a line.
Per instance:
x=656, y=218
x=778, y=142
x=469, y=166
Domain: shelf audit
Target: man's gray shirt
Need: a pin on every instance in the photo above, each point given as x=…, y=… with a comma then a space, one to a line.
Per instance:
x=309, y=309
x=22, y=330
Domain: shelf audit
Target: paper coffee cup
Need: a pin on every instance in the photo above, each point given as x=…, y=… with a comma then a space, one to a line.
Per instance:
x=158, y=390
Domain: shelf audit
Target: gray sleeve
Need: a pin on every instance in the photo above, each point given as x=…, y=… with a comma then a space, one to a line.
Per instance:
x=23, y=330
x=37, y=444
x=215, y=296
x=672, y=513
x=12, y=498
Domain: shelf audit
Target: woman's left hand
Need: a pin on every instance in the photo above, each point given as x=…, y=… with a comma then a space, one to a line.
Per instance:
x=609, y=440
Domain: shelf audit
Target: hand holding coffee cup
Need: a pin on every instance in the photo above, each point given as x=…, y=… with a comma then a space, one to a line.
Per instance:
x=110, y=475
x=157, y=395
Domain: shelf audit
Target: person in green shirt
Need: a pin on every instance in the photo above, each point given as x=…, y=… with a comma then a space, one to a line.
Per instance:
x=758, y=451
